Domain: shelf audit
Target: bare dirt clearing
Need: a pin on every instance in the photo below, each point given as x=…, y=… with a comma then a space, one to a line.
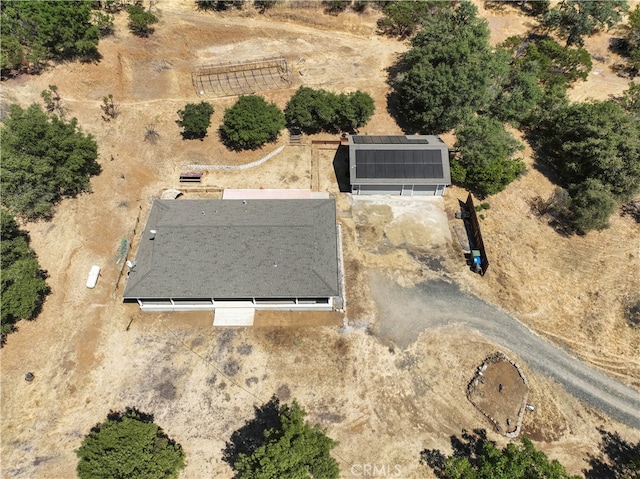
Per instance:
x=500, y=393
x=384, y=404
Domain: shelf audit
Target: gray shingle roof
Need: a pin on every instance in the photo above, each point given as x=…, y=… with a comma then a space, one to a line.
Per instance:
x=399, y=159
x=237, y=249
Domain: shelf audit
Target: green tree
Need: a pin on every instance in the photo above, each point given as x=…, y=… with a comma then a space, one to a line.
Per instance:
x=629, y=45
x=23, y=282
x=485, y=155
x=515, y=461
x=53, y=100
x=310, y=110
x=195, y=119
x=129, y=445
x=360, y=5
x=44, y=159
x=314, y=111
x=540, y=70
x=104, y=22
x=46, y=30
x=590, y=206
x=633, y=40
x=140, y=21
x=630, y=100
x=554, y=99
x=11, y=54
x=250, y=123
x=594, y=148
x=575, y=19
x=110, y=108
x=479, y=458
x=557, y=64
x=518, y=95
x=447, y=74
x=279, y=443
x=354, y=110
x=402, y=19
x=593, y=140
x=533, y=8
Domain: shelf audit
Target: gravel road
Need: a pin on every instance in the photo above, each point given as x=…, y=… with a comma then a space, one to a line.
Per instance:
x=405, y=312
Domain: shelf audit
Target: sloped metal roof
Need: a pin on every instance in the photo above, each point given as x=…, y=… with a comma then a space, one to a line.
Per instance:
x=237, y=249
x=398, y=159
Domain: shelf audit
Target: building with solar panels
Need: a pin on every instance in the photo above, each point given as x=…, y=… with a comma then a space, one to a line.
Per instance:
x=398, y=165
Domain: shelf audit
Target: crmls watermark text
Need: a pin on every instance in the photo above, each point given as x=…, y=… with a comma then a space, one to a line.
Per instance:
x=376, y=470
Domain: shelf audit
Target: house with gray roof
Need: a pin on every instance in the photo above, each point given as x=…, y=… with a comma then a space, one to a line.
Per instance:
x=260, y=254
x=398, y=165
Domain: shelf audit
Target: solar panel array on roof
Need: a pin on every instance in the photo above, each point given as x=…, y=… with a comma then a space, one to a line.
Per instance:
x=399, y=164
x=386, y=140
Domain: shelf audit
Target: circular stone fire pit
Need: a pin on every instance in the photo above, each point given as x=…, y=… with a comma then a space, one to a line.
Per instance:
x=499, y=391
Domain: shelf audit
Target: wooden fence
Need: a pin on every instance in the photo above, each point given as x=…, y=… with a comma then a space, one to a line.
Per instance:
x=476, y=235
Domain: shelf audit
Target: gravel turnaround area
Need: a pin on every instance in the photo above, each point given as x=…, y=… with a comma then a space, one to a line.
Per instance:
x=406, y=312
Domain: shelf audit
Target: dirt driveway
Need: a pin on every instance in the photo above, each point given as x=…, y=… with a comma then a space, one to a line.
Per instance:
x=405, y=313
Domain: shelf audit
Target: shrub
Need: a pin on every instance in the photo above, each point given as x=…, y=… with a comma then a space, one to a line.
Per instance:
x=482, y=459
x=486, y=151
x=251, y=123
x=195, y=119
x=140, y=21
x=590, y=206
x=23, y=282
x=129, y=445
x=314, y=111
x=279, y=443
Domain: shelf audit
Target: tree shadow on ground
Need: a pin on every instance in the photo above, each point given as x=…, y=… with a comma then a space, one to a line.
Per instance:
x=531, y=9
x=619, y=459
x=395, y=111
x=252, y=435
x=624, y=48
x=118, y=416
x=469, y=445
x=394, y=72
x=555, y=209
x=631, y=210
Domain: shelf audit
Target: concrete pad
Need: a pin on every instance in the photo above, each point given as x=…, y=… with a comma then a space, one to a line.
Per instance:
x=233, y=316
x=401, y=221
x=266, y=194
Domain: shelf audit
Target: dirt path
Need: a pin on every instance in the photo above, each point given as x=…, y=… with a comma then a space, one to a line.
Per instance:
x=405, y=313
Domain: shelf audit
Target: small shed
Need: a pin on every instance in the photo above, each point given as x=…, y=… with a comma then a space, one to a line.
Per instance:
x=398, y=165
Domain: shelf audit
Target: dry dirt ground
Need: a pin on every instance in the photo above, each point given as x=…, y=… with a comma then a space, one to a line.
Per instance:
x=384, y=403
